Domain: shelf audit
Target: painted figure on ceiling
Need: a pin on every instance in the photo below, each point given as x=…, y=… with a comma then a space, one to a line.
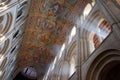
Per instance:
x=49, y=13
x=56, y=9
x=44, y=6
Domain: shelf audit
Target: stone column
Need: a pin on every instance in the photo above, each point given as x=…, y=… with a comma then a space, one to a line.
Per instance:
x=85, y=48
x=79, y=55
x=82, y=51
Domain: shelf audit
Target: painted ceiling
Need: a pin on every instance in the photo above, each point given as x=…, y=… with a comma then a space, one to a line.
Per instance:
x=48, y=24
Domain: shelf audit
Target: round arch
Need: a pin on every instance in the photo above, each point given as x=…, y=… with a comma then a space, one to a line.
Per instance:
x=4, y=48
x=87, y=27
x=91, y=29
x=28, y=72
x=71, y=57
x=69, y=51
x=5, y=23
x=103, y=64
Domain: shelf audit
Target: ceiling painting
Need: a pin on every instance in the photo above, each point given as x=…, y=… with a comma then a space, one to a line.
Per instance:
x=48, y=25
x=72, y=2
x=44, y=6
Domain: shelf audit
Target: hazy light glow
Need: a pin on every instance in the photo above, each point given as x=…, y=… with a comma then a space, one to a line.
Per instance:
x=87, y=10
x=72, y=34
x=93, y=2
x=72, y=70
x=1, y=59
x=1, y=73
x=61, y=51
x=53, y=65
x=3, y=8
x=65, y=69
x=2, y=37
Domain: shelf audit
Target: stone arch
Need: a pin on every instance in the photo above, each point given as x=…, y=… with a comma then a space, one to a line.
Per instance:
x=30, y=72
x=100, y=64
x=4, y=48
x=5, y=23
x=72, y=35
x=88, y=28
x=103, y=31
x=59, y=65
x=4, y=63
x=70, y=56
x=91, y=29
x=23, y=71
x=87, y=9
x=70, y=49
x=57, y=70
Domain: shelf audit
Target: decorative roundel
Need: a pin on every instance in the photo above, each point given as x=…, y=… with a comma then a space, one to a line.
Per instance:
x=4, y=47
x=117, y=3
x=5, y=23
x=4, y=2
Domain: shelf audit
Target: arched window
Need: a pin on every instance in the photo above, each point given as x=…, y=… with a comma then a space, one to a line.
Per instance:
x=30, y=72
x=104, y=29
x=22, y=11
x=5, y=23
x=96, y=41
x=72, y=34
x=87, y=10
x=100, y=31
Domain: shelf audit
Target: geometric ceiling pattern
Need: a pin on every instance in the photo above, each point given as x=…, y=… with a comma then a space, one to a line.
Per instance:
x=48, y=24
